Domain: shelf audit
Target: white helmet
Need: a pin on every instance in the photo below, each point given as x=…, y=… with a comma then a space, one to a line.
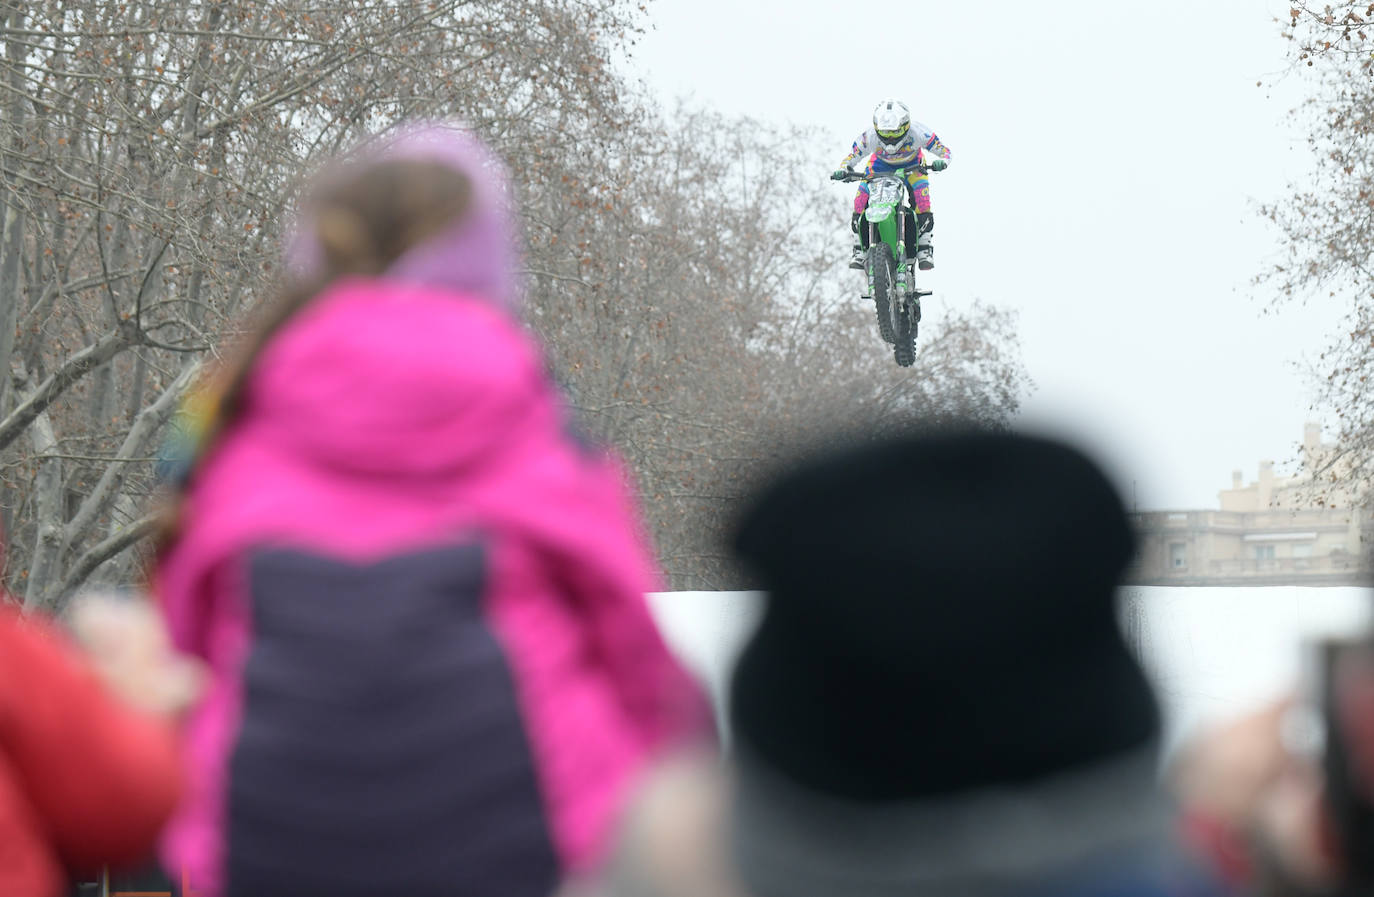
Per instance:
x=892, y=121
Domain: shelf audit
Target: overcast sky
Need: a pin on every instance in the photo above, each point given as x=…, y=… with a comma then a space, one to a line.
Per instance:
x=1108, y=160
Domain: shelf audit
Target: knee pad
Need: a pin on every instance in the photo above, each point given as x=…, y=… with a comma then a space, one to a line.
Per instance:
x=925, y=222
x=854, y=222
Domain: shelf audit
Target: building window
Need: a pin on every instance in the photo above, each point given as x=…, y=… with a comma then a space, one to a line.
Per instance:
x=1302, y=551
x=1178, y=555
x=1264, y=552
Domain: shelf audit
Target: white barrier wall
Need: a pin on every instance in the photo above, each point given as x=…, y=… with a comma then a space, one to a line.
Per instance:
x=1212, y=652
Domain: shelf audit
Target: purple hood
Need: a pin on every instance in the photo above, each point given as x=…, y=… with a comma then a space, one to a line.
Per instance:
x=477, y=256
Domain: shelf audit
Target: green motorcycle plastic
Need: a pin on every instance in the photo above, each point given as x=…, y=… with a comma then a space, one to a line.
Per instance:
x=891, y=275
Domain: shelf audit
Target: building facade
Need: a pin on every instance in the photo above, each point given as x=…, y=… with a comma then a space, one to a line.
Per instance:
x=1278, y=530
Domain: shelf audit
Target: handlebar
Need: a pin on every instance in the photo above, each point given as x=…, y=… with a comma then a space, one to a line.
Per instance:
x=851, y=176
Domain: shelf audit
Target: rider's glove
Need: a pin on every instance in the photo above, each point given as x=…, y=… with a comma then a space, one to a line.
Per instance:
x=839, y=175
x=938, y=165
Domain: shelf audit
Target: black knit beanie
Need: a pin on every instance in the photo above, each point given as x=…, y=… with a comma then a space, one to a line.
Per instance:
x=941, y=618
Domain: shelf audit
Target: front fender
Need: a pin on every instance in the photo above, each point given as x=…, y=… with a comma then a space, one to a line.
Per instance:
x=887, y=231
x=880, y=213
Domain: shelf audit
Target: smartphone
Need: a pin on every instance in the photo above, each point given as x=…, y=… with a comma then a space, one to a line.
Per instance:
x=1343, y=680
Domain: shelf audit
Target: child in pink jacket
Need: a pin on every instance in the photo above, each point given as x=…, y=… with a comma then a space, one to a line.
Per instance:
x=420, y=595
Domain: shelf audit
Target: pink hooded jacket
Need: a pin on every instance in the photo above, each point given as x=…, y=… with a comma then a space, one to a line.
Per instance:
x=422, y=600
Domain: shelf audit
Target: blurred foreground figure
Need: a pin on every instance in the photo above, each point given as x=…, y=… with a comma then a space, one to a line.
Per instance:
x=86, y=779
x=1283, y=799
x=938, y=700
x=420, y=597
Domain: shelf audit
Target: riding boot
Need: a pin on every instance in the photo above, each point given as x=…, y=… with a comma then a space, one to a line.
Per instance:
x=925, y=252
x=860, y=254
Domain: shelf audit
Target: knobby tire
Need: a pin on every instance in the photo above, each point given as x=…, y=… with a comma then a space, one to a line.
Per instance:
x=884, y=286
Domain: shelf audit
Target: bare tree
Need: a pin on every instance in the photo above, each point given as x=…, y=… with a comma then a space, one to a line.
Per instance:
x=149, y=152
x=690, y=289
x=1328, y=225
x=722, y=328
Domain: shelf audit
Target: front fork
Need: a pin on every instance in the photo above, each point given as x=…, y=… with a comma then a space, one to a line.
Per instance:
x=872, y=241
x=903, y=269
x=901, y=254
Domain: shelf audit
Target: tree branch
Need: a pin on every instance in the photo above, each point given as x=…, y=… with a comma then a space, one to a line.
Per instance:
x=104, y=550
x=72, y=370
x=149, y=421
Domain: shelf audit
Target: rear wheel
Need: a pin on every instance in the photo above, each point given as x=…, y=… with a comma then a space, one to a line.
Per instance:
x=884, y=288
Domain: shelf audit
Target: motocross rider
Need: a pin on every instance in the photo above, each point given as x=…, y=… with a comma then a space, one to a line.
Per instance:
x=894, y=142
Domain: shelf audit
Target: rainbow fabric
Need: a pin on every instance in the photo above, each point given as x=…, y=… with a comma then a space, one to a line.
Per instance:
x=910, y=151
x=187, y=431
x=909, y=154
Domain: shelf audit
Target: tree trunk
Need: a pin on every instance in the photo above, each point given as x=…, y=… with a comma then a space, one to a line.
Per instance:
x=48, y=498
x=136, y=387
x=11, y=214
x=102, y=392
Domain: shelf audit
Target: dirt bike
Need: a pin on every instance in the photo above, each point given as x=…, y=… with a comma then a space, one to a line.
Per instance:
x=891, y=274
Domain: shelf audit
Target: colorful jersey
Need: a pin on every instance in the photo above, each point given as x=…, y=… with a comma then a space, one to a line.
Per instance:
x=909, y=152
x=916, y=179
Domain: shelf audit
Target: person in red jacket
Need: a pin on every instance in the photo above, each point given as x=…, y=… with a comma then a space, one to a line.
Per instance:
x=87, y=777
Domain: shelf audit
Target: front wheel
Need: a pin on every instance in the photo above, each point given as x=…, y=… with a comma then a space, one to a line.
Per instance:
x=904, y=326
x=885, y=295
